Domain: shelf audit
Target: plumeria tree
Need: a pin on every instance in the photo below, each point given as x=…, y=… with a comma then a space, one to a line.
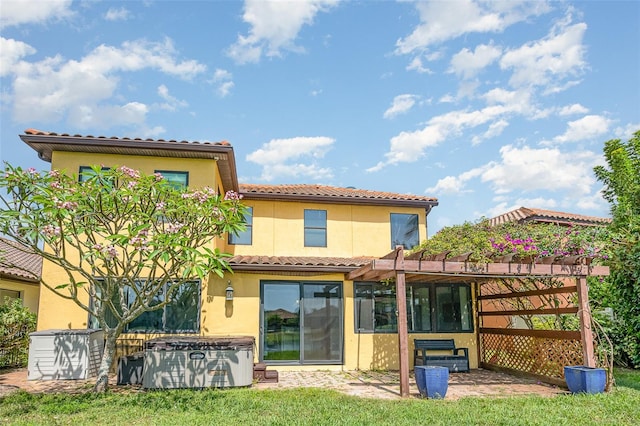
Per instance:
x=120, y=237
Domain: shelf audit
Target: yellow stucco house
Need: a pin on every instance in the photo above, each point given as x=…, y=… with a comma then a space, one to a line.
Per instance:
x=19, y=274
x=289, y=287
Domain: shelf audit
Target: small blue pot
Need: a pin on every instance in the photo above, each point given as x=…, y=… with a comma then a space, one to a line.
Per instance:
x=432, y=382
x=582, y=379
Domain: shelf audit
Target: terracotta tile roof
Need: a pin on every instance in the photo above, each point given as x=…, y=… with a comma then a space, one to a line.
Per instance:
x=297, y=264
x=67, y=135
x=16, y=261
x=332, y=194
x=44, y=143
x=527, y=214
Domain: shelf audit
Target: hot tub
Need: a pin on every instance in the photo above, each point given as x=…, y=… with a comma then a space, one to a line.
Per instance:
x=198, y=362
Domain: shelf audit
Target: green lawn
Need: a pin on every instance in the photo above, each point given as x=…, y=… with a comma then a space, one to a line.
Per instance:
x=321, y=407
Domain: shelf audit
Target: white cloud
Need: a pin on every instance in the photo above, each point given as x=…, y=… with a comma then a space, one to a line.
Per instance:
x=120, y=14
x=171, y=103
x=447, y=99
x=224, y=81
x=586, y=128
x=547, y=62
x=282, y=157
x=104, y=116
x=573, y=109
x=401, y=104
x=527, y=169
x=409, y=147
x=441, y=21
x=626, y=132
x=495, y=129
x=18, y=12
x=274, y=27
x=467, y=64
x=416, y=65
x=11, y=51
x=454, y=184
x=83, y=91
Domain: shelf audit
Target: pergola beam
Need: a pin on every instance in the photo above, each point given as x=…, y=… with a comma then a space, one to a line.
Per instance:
x=479, y=270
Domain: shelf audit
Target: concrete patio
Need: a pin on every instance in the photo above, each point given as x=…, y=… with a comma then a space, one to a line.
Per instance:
x=365, y=384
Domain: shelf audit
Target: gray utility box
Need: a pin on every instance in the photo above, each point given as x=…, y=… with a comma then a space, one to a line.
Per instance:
x=64, y=354
x=198, y=362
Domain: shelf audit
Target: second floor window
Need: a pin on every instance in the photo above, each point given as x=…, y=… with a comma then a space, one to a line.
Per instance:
x=244, y=237
x=315, y=228
x=179, y=180
x=404, y=230
x=85, y=173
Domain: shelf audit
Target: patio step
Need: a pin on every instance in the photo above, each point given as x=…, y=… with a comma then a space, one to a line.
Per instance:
x=262, y=375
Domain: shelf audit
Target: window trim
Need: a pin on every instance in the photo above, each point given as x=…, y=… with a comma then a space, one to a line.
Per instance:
x=306, y=227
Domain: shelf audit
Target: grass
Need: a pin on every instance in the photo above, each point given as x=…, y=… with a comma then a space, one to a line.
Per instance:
x=320, y=407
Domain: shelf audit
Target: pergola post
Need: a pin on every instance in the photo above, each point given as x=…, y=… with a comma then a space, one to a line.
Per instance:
x=584, y=314
x=403, y=334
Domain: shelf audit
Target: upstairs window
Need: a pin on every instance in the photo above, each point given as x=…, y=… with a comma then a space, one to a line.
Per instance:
x=179, y=180
x=85, y=173
x=315, y=228
x=244, y=237
x=404, y=230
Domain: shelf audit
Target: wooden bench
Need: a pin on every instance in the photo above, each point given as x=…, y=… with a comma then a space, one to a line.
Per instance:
x=455, y=361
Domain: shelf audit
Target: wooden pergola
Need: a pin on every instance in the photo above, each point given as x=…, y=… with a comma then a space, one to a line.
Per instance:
x=434, y=269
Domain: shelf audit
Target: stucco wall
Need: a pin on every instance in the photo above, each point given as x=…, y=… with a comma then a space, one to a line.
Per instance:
x=29, y=292
x=352, y=230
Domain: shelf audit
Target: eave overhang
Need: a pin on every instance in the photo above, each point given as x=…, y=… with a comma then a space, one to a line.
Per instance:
x=46, y=143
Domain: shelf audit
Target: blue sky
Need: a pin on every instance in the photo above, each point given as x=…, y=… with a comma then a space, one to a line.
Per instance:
x=488, y=106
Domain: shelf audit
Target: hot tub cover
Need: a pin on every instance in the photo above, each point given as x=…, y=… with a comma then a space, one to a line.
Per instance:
x=182, y=343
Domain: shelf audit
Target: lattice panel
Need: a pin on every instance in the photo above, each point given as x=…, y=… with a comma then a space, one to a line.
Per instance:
x=542, y=356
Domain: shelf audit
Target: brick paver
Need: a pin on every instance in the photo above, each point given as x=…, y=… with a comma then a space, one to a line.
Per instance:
x=367, y=384
x=374, y=384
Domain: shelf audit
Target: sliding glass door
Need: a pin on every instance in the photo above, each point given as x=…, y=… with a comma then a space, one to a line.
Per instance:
x=301, y=322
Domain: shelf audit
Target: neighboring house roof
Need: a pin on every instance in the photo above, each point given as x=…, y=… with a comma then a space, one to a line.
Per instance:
x=527, y=214
x=297, y=264
x=47, y=142
x=332, y=194
x=18, y=262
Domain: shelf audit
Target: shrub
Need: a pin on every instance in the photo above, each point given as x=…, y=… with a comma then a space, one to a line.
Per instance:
x=16, y=322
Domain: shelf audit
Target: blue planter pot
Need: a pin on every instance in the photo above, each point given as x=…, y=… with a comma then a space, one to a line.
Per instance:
x=582, y=379
x=432, y=382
